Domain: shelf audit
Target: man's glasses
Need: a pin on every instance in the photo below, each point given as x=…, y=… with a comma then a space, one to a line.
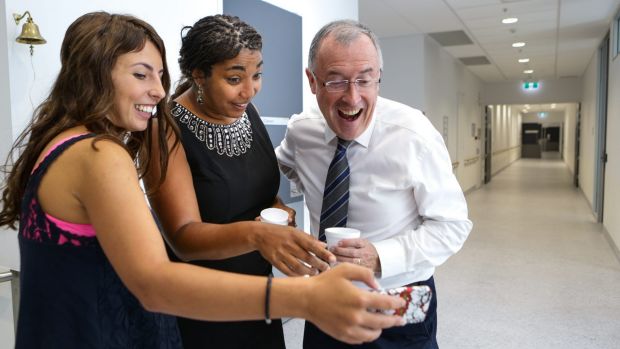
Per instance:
x=343, y=85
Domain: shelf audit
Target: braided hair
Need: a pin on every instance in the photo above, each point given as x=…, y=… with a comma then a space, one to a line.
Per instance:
x=211, y=40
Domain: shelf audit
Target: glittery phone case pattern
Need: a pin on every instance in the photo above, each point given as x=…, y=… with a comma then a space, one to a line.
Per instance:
x=418, y=300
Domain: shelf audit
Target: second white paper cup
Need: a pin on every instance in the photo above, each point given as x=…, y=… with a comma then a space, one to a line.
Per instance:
x=335, y=234
x=274, y=215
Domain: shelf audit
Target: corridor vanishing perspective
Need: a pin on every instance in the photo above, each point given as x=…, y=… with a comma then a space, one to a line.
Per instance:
x=536, y=271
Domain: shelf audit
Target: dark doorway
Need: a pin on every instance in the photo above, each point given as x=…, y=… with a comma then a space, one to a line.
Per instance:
x=530, y=136
x=550, y=139
x=577, y=144
x=487, y=144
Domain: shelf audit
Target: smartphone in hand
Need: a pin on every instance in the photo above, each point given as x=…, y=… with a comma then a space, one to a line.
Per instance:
x=418, y=300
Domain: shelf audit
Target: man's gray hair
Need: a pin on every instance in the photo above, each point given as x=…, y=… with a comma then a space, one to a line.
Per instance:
x=344, y=31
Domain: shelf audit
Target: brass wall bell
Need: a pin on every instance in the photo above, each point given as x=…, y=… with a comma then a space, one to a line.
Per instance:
x=30, y=32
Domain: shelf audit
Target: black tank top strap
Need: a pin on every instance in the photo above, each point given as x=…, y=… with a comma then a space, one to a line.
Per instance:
x=55, y=153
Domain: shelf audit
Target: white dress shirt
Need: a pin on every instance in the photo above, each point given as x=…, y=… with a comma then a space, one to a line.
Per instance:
x=403, y=196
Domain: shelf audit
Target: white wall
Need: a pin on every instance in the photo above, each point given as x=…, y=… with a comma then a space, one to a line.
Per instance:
x=403, y=70
x=5, y=105
x=451, y=103
x=441, y=81
x=611, y=206
x=9, y=256
x=505, y=136
x=418, y=72
x=550, y=91
x=569, y=134
x=470, y=125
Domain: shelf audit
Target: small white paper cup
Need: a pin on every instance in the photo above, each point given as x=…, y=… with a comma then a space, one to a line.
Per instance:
x=274, y=216
x=335, y=234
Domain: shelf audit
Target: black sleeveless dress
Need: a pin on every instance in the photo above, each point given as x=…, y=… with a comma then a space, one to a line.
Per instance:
x=70, y=296
x=235, y=175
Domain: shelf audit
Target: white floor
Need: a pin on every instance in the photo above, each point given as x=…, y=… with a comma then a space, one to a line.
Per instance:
x=536, y=271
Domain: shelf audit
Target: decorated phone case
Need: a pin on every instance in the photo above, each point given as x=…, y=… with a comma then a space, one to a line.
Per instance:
x=418, y=300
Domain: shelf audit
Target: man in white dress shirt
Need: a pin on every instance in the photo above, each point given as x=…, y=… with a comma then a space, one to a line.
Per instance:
x=403, y=196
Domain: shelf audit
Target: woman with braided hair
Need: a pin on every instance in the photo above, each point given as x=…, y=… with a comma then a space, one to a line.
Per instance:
x=224, y=174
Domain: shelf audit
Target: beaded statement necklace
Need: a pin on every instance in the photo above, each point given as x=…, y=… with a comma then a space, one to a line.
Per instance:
x=231, y=140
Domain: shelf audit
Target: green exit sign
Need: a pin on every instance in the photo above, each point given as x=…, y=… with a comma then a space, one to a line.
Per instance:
x=530, y=85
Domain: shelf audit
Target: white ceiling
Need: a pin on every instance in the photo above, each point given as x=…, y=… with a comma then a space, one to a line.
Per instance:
x=561, y=36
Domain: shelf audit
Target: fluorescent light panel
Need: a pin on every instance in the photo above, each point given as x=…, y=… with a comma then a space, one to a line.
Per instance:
x=510, y=20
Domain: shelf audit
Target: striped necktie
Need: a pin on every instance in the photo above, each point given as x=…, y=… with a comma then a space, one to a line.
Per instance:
x=336, y=193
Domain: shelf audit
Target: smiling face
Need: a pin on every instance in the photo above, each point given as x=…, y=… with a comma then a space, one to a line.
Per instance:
x=138, y=88
x=348, y=113
x=232, y=85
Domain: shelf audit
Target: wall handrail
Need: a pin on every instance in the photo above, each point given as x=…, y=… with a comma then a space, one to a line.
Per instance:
x=471, y=161
x=5, y=277
x=506, y=149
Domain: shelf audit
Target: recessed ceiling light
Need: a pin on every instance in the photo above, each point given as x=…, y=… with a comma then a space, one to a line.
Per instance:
x=524, y=60
x=553, y=106
x=518, y=44
x=510, y=20
x=528, y=71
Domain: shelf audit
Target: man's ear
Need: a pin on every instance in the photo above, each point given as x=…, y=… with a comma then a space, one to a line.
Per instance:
x=311, y=80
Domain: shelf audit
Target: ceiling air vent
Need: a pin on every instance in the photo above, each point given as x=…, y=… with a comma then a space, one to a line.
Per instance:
x=451, y=38
x=475, y=60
